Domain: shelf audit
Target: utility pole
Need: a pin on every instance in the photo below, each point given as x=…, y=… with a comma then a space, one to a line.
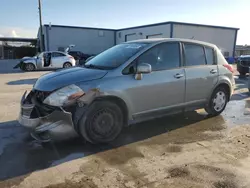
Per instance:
x=41, y=24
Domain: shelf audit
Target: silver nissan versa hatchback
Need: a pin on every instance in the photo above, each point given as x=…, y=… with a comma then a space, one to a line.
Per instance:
x=130, y=82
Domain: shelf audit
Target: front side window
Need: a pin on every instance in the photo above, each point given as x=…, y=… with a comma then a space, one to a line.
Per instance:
x=161, y=57
x=194, y=55
x=115, y=56
x=210, y=56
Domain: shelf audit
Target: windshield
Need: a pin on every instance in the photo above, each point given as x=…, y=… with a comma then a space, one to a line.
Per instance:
x=115, y=56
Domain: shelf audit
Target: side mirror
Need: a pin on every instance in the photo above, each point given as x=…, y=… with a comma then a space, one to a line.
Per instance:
x=144, y=68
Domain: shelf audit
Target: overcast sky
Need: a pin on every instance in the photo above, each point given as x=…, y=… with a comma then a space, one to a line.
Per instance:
x=19, y=18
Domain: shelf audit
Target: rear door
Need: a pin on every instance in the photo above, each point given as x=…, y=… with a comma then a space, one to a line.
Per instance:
x=201, y=72
x=58, y=59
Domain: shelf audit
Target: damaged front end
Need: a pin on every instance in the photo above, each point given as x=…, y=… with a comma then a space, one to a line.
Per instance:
x=19, y=65
x=46, y=122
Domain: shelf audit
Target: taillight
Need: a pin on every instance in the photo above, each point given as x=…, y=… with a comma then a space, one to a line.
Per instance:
x=229, y=67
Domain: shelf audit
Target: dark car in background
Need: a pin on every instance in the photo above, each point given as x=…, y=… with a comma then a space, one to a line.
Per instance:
x=243, y=64
x=79, y=56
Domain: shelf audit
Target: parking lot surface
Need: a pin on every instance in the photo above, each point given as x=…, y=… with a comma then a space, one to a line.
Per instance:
x=184, y=150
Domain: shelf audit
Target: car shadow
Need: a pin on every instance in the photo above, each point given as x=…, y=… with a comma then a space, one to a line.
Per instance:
x=23, y=82
x=22, y=155
x=10, y=71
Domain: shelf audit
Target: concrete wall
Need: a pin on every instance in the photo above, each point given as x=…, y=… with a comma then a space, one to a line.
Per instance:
x=143, y=32
x=90, y=41
x=223, y=38
x=6, y=66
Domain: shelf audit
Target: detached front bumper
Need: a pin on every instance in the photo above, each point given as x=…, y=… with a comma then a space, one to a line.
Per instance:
x=57, y=125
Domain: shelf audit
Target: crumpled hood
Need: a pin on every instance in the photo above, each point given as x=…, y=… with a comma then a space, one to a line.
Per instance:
x=64, y=77
x=28, y=58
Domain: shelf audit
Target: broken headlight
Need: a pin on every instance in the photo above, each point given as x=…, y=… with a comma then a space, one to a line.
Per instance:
x=64, y=96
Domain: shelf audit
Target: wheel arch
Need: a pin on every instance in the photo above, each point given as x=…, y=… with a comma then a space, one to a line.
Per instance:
x=67, y=62
x=29, y=62
x=225, y=84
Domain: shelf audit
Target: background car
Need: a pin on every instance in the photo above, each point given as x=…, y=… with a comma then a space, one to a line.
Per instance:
x=79, y=56
x=243, y=64
x=46, y=60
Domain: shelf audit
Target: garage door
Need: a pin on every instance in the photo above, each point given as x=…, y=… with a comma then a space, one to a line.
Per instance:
x=130, y=37
x=154, y=36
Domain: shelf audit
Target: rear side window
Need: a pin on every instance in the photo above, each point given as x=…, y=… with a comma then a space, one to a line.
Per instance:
x=161, y=57
x=210, y=56
x=57, y=54
x=194, y=55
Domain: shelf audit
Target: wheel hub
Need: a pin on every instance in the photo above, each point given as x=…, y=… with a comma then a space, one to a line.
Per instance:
x=219, y=101
x=103, y=123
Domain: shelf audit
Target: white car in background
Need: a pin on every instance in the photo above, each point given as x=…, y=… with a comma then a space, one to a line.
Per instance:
x=46, y=60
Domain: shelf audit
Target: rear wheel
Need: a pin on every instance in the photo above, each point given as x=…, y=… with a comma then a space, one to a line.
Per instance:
x=29, y=67
x=67, y=65
x=101, y=123
x=218, y=101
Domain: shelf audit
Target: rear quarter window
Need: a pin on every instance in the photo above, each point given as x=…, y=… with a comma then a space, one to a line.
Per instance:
x=210, y=57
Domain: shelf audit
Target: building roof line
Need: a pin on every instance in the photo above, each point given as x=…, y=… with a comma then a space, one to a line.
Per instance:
x=17, y=39
x=180, y=23
x=78, y=27
x=148, y=25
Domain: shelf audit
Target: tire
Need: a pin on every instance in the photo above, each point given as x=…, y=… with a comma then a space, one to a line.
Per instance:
x=102, y=122
x=242, y=73
x=29, y=67
x=67, y=65
x=219, y=96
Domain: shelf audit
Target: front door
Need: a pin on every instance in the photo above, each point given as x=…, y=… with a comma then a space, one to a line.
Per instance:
x=40, y=61
x=201, y=73
x=162, y=89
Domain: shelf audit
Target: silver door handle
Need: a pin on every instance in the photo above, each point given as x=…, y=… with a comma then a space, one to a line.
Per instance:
x=213, y=71
x=178, y=75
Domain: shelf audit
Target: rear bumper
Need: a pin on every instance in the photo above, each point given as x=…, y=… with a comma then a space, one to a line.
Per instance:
x=56, y=126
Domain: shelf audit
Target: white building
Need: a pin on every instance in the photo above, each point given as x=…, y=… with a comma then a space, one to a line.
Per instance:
x=96, y=40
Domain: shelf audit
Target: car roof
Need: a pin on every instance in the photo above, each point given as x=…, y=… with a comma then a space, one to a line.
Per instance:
x=55, y=51
x=159, y=40
x=244, y=56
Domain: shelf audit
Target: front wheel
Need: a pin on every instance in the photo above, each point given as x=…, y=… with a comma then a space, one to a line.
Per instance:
x=29, y=67
x=102, y=122
x=218, y=101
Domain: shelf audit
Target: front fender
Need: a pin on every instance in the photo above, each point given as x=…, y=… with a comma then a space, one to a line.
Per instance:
x=30, y=61
x=97, y=93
